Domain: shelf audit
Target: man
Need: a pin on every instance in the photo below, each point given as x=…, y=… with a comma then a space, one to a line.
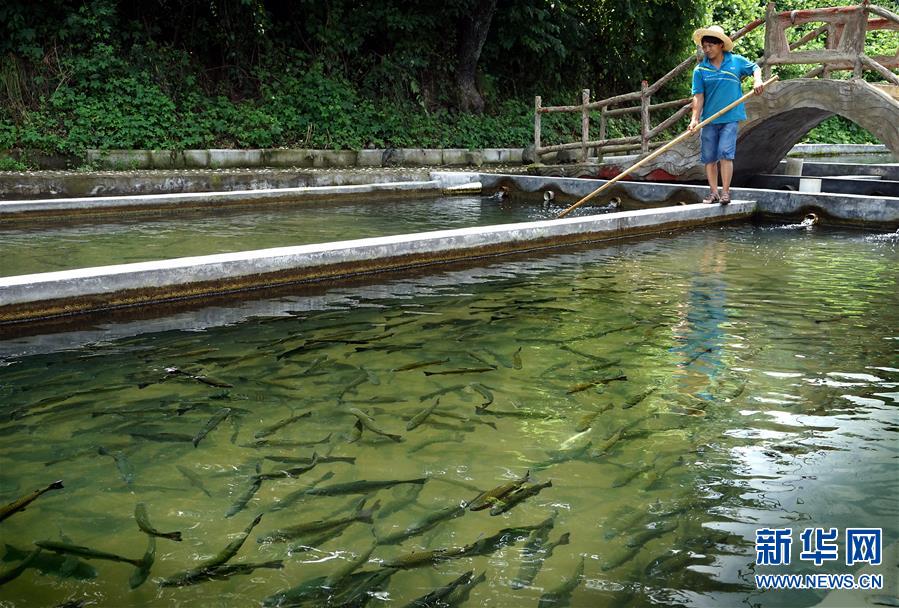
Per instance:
x=716, y=83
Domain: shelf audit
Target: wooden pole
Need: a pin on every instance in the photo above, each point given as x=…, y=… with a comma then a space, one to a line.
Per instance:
x=676, y=140
x=537, y=104
x=585, y=123
x=644, y=117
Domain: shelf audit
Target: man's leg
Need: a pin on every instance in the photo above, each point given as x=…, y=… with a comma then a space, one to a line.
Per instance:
x=708, y=154
x=727, y=148
x=711, y=174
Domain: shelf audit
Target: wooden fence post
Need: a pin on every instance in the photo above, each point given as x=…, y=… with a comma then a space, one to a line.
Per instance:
x=644, y=117
x=537, y=105
x=585, y=123
x=770, y=36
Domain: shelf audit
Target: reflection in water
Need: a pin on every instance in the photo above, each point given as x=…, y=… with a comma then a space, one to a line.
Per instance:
x=678, y=394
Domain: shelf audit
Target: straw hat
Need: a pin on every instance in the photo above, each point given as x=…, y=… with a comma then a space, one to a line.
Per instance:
x=715, y=31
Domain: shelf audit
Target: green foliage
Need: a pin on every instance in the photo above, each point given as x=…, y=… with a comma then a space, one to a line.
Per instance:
x=838, y=130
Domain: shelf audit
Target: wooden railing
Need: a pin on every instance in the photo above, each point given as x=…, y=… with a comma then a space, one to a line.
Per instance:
x=844, y=26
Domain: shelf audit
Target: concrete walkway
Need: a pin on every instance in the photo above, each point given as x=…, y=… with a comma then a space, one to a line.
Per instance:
x=55, y=294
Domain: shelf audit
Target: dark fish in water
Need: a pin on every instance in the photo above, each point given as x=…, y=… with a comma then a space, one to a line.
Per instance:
x=585, y=385
x=121, y=463
x=560, y=595
x=421, y=416
x=503, y=538
x=411, y=366
x=592, y=357
x=416, y=559
x=269, y=430
x=143, y=571
x=641, y=538
x=586, y=421
x=226, y=571
x=174, y=371
x=213, y=422
x=516, y=359
x=360, y=487
x=629, y=476
x=369, y=423
x=283, y=443
x=339, y=575
x=247, y=496
x=465, y=370
x=465, y=418
x=143, y=522
x=20, y=504
x=457, y=437
x=162, y=436
x=194, y=574
x=490, y=497
x=52, y=563
x=316, y=527
x=484, y=392
x=15, y=571
x=438, y=597
x=607, y=445
x=406, y=497
x=636, y=399
x=513, y=499
x=431, y=520
x=194, y=479
x=308, y=460
x=481, y=359
x=532, y=561
x=354, y=591
x=292, y=472
x=442, y=391
x=86, y=552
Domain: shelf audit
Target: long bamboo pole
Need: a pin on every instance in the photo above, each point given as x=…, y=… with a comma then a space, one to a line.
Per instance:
x=671, y=143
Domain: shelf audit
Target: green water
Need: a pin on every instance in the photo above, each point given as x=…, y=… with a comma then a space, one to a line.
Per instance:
x=51, y=248
x=762, y=385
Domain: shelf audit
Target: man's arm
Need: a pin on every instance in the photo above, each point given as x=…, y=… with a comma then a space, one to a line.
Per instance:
x=698, y=101
x=757, y=84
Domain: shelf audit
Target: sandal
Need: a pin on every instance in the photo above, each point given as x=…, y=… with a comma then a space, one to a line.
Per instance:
x=725, y=198
x=711, y=199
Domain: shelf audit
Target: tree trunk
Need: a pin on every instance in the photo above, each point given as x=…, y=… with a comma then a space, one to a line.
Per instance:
x=473, y=28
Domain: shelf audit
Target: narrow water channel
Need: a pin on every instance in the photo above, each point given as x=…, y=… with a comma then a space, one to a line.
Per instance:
x=671, y=397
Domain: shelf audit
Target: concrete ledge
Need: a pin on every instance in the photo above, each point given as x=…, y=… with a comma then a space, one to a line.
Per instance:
x=41, y=208
x=54, y=294
x=837, y=149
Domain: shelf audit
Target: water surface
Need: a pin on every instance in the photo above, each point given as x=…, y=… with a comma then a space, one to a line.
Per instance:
x=740, y=377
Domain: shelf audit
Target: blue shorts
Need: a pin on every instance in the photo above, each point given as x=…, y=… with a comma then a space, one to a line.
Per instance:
x=718, y=142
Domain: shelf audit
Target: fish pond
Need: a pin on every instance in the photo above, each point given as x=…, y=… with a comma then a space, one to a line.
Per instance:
x=97, y=242
x=603, y=426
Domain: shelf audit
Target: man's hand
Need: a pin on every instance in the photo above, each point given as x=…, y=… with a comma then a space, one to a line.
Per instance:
x=758, y=87
x=694, y=122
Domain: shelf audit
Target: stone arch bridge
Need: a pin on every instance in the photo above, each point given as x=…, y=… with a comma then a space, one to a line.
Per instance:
x=779, y=118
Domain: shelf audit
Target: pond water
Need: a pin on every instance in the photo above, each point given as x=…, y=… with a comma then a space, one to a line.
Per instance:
x=678, y=393
x=48, y=248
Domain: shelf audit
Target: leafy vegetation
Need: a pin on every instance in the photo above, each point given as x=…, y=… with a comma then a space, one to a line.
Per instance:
x=338, y=73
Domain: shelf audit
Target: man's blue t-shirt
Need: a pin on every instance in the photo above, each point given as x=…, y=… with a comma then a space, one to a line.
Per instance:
x=721, y=86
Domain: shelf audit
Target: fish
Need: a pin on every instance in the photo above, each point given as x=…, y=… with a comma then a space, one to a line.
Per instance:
x=86, y=552
x=52, y=563
x=641, y=538
x=503, y=538
x=243, y=499
x=15, y=571
x=561, y=594
x=420, y=364
x=607, y=445
x=480, y=359
x=356, y=433
x=463, y=370
x=369, y=423
x=139, y=576
x=590, y=356
x=339, y=575
x=360, y=487
x=189, y=576
x=163, y=436
x=512, y=499
x=211, y=424
x=442, y=391
x=270, y=430
x=628, y=476
x=226, y=571
x=174, y=371
x=308, y=460
x=408, y=495
x=416, y=559
x=532, y=561
x=484, y=392
x=516, y=359
x=586, y=421
x=456, y=437
x=464, y=418
x=143, y=522
x=421, y=416
x=636, y=399
x=292, y=472
x=490, y=497
x=425, y=524
x=21, y=503
x=194, y=479
x=355, y=590
x=315, y=527
x=121, y=463
x=282, y=443
x=298, y=494
x=438, y=597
